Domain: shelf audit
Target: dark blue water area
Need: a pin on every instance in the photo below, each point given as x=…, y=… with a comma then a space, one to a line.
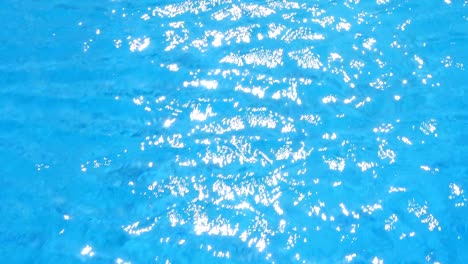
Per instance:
x=233, y=132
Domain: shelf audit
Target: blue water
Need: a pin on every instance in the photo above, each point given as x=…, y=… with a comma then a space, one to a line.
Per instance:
x=233, y=131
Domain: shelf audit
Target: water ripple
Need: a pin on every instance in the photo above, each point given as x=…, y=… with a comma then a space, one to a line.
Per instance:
x=276, y=132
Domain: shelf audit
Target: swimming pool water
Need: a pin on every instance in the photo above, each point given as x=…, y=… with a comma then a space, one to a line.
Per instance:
x=233, y=131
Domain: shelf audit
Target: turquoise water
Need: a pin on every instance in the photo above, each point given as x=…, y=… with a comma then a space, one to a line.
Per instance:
x=233, y=132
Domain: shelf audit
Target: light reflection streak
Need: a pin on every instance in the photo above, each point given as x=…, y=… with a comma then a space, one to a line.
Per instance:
x=139, y=44
x=242, y=155
x=87, y=251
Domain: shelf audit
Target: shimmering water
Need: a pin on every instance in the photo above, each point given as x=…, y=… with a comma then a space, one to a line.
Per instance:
x=233, y=131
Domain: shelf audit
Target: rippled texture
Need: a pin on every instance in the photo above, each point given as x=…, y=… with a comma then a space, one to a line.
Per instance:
x=234, y=132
